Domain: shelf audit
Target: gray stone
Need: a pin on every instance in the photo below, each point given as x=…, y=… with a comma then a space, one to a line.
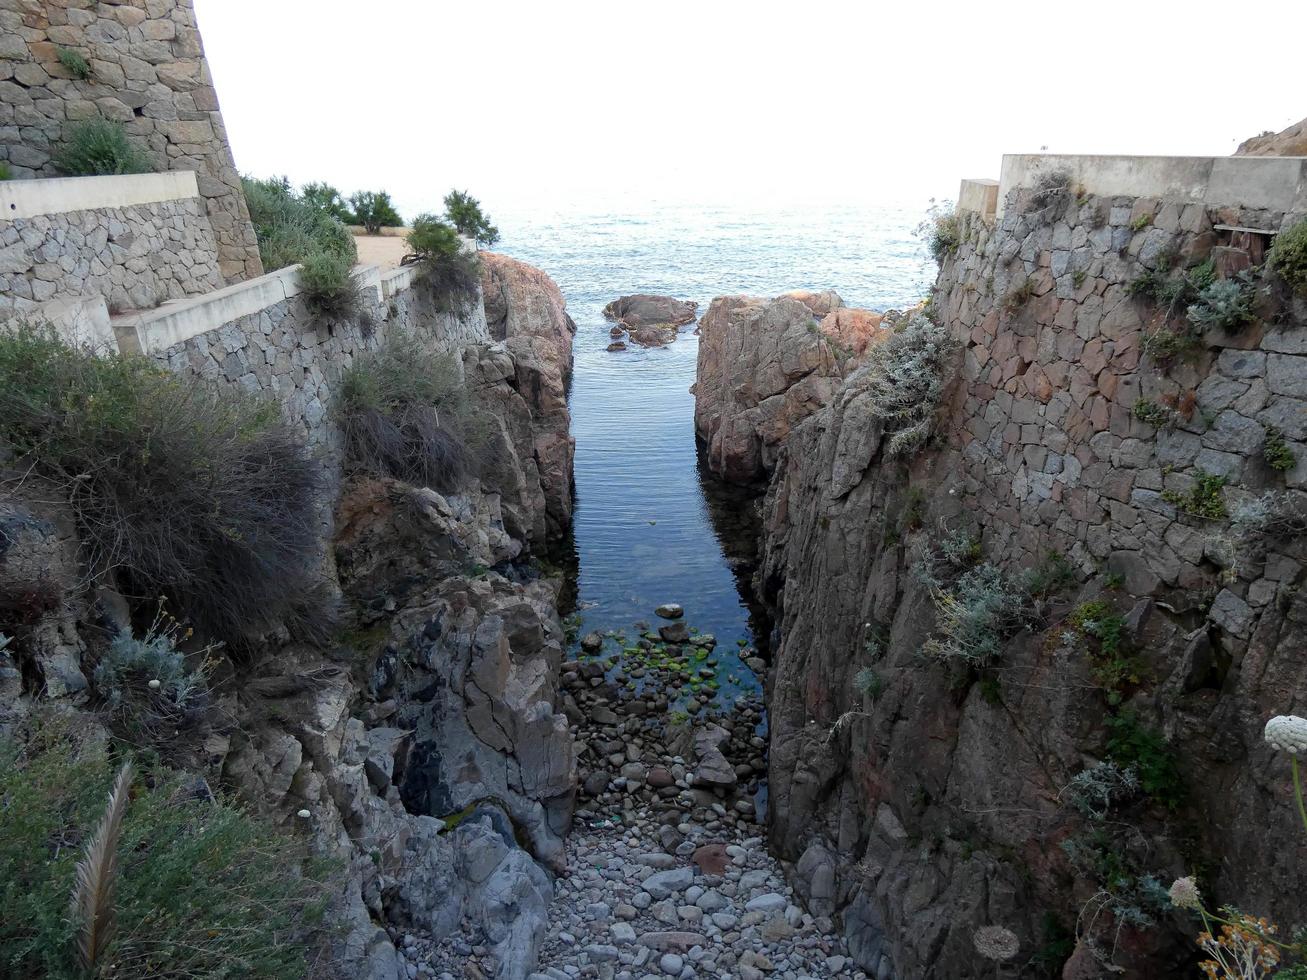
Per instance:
x=662, y=884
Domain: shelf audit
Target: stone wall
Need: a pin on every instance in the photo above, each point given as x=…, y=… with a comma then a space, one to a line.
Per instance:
x=136, y=256
x=148, y=72
x=285, y=352
x=936, y=795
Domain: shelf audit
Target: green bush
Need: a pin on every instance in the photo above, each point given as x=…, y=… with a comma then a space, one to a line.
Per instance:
x=464, y=213
x=453, y=275
x=179, y=490
x=290, y=228
x=1288, y=257
x=1276, y=451
x=328, y=287
x=1151, y=413
x=5, y=172
x=98, y=147
x=328, y=200
x=202, y=889
x=868, y=683
x=405, y=413
x=77, y=65
x=941, y=230
x=1225, y=303
x=373, y=210
x=1132, y=745
x=1204, y=499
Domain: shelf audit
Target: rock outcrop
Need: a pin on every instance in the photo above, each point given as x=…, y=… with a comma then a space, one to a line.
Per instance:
x=821, y=302
x=764, y=366
x=650, y=321
x=939, y=795
x=421, y=746
x=526, y=311
x=1289, y=142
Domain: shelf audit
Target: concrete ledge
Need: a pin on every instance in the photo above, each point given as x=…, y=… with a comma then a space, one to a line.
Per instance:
x=58, y=195
x=397, y=280
x=151, y=331
x=1274, y=183
x=979, y=195
x=177, y=321
x=79, y=320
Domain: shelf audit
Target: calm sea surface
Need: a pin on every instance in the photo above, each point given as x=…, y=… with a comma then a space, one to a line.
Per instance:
x=651, y=526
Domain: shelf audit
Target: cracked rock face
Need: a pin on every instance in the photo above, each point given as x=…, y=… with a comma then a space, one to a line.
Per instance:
x=764, y=365
x=937, y=807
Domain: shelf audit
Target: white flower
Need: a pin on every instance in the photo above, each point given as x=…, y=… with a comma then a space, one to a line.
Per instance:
x=155, y=684
x=1184, y=894
x=1287, y=733
x=996, y=943
x=304, y=814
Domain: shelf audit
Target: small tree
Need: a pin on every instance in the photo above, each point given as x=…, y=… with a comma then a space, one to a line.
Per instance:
x=373, y=210
x=464, y=213
x=327, y=199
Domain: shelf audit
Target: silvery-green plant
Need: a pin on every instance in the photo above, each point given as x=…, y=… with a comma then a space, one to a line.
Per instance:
x=1225, y=303
x=905, y=377
x=1093, y=791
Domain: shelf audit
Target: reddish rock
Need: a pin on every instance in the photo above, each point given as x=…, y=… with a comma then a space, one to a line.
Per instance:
x=853, y=330
x=712, y=859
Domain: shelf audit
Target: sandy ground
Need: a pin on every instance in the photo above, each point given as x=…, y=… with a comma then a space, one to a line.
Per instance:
x=382, y=250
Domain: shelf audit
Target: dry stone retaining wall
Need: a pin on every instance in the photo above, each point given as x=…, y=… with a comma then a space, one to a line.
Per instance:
x=1051, y=453
x=134, y=256
x=148, y=71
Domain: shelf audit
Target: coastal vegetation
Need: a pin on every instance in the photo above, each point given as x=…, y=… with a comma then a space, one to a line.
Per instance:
x=99, y=147
x=452, y=274
x=464, y=212
x=291, y=227
x=406, y=413
x=168, y=894
x=374, y=211
x=1288, y=257
x=177, y=490
x=329, y=288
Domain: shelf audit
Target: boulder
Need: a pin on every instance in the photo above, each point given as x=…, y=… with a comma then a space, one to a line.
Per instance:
x=643, y=309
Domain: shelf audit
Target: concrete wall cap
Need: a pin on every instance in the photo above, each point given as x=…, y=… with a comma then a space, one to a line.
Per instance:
x=58, y=195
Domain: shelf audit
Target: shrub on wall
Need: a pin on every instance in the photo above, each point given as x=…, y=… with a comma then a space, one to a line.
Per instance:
x=5, y=172
x=200, y=888
x=205, y=497
x=374, y=211
x=291, y=228
x=1288, y=257
x=72, y=60
x=453, y=274
x=328, y=287
x=464, y=213
x=906, y=376
x=100, y=147
x=405, y=413
x=1225, y=303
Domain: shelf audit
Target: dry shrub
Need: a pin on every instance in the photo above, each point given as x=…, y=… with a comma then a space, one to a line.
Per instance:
x=405, y=413
x=205, y=497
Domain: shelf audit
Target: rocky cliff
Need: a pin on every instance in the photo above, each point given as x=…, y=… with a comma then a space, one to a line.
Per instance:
x=1289, y=142
x=764, y=366
x=420, y=745
x=1020, y=676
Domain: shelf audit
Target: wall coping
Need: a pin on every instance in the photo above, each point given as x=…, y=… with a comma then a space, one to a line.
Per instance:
x=59, y=195
x=177, y=321
x=1273, y=183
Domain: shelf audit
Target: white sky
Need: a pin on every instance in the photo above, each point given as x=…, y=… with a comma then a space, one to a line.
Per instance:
x=573, y=103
